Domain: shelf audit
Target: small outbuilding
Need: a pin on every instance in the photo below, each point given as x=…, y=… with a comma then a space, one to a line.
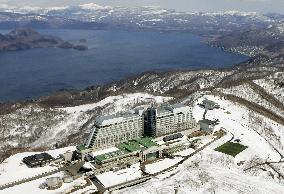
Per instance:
x=209, y=104
x=68, y=179
x=68, y=156
x=172, y=137
x=53, y=182
x=38, y=160
x=206, y=125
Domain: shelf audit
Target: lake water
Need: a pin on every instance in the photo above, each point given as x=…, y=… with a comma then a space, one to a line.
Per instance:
x=112, y=55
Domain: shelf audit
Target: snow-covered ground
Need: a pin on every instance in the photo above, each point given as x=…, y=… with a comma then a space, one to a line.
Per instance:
x=236, y=120
x=119, y=102
x=13, y=169
x=210, y=171
x=161, y=165
x=270, y=86
x=246, y=92
x=207, y=171
x=33, y=186
x=113, y=178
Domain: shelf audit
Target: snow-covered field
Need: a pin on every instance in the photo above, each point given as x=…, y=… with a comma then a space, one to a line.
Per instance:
x=13, y=169
x=206, y=173
x=33, y=186
x=161, y=165
x=238, y=122
x=212, y=172
x=111, y=178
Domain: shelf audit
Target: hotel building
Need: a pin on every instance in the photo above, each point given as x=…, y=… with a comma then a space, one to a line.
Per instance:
x=152, y=122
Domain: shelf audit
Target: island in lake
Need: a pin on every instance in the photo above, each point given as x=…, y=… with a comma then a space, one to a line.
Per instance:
x=26, y=38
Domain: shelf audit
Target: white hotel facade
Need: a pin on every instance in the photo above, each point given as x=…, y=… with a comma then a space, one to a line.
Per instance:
x=112, y=130
x=173, y=119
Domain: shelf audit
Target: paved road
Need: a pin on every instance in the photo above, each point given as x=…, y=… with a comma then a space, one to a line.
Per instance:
x=25, y=180
x=190, y=155
x=148, y=176
x=122, y=185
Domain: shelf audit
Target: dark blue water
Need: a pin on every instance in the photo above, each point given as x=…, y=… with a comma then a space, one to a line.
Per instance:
x=112, y=55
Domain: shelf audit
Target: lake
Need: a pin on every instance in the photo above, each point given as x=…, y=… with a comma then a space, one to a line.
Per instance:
x=112, y=55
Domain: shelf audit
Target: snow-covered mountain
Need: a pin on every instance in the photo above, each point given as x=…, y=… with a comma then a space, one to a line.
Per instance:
x=247, y=33
x=142, y=17
x=94, y=9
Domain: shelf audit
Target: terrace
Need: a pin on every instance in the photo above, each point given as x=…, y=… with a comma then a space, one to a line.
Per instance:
x=146, y=142
x=137, y=144
x=110, y=155
x=127, y=147
x=130, y=146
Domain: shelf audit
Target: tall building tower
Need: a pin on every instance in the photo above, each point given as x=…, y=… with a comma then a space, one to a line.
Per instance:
x=168, y=119
x=150, y=120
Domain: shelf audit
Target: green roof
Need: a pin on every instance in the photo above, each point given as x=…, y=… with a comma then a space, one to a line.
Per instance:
x=126, y=147
x=130, y=146
x=137, y=144
x=146, y=142
x=209, y=102
x=81, y=147
x=110, y=155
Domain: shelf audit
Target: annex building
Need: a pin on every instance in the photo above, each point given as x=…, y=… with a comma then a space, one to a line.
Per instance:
x=112, y=130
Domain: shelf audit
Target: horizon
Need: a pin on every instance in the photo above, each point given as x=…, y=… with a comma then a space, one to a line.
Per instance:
x=259, y=6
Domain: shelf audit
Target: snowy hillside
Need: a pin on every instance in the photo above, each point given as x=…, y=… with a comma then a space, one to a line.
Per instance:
x=255, y=170
x=214, y=172
x=37, y=127
x=272, y=87
x=245, y=91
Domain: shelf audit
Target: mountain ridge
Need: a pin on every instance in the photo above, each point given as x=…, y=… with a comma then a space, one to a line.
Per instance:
x=240, y=32
x=26, y=38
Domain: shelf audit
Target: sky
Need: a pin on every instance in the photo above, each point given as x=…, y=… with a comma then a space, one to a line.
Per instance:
x=263, y=6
